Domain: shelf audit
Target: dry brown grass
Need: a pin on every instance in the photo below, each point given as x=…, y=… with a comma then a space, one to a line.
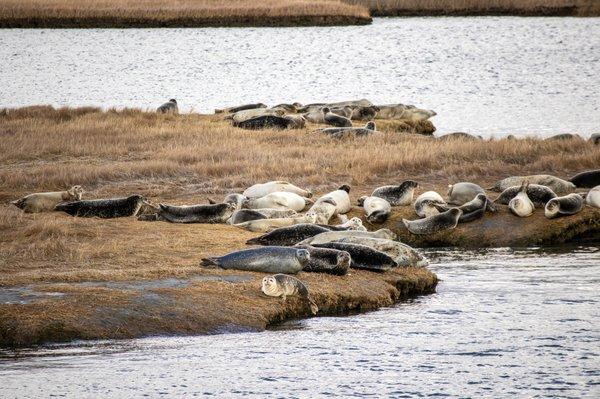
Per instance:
x=160, y=13
x=481, y=7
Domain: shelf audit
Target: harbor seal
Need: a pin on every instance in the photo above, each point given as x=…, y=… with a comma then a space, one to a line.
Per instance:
x=264, y=225
x=593, y=197
x=288, y=107
x=287, y=236
x=587, y=179
x=363, y=257
x=354, y=223
x=406, y=112
x=245, y=215
x=262, y=259
x=235, y=199
x=520, y=204
x=564, y=206
x=364, y=113
x=376, y=209
x=341, y=198
x=337, y=235
x=217, y=213
x=463, y=192
x=343, y=111
x=325, y=260
x=262, y=189
x=346, y=132
x=425, y=204
x=323, y=209
x=44, y=202
x=104, y=208
x=459, y=136
x=168, y=107
x=403, y=254
x=554, y=183
x=399, y=195
x=282, y=285
x=335, y=120
x=539, y=195
x=563, y=136
x=595, y=138
x=247, y=114
x=278, y=200
x=268, y=122
x=233, y=110
x=315, y=115
x=433, y=224
x=472, y=210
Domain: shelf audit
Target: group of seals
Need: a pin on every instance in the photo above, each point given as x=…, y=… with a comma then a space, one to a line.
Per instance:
x=556, y=184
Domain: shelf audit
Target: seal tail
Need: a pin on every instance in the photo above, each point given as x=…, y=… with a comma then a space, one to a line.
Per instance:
x=313, y=306
x=211, y=262
x=255, y=241
x=405, y=221
x=20, y=203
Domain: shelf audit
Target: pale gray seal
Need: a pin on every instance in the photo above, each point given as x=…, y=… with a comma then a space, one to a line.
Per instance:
x=335, y=120
x=325, y=260
x=458, y=136
x=104, y=208
x=217, y=213
x=43, y=202
x=363, y=257
x=425, y=204
x=401, y=111
x=264, y=225
x=344, y=111
x=433, y=224
x=262, y=259
x=460, y=193
x=564, y=136
x=240, y=108
x=563, y=206
x=248, y=114
x=520, y=204
x=346, y=132
x=399, y=195
x=556, y=184
x=287, y=236
x=262, y=189
x=288, y=107
x=282, y=285
x=593, y=197
x=398, y=251
x=539, y=195
x=170, y=106
x=376, y=209
x=323, y=209
x=246, y=215
x=278, y=200
x=337, y=235
x=341, y=198
x=364, y=113
x=587, y=179
x=472, y=210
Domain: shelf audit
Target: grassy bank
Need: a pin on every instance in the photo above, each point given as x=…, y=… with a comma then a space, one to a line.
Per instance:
x=66, y=270
x=182, y=13
x=580, y=8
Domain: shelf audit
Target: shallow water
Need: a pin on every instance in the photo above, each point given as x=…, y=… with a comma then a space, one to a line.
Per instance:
x=503, y=323
x=489, y=75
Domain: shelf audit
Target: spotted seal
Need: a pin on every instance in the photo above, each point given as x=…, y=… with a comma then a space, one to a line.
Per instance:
x=403, y=254
x=323, y=209
x=264, y=225
x=554, y=183
x=242, y=116
x=262, y=189
x=168, y=107
x=587, y=179
x=268, y=122
x=399, y=195
x=325, y=260
x=520, y=204
x=272, y=259
x=43, y=202
x=337, y=235
x=217, y=213
x=460, y=193
x=282, y=285
x=335, y=120
x=425, y=204
x=367, y=113
x=363, y=257
x=376, y=209
x=539, y=195
x=472, y=210
x=235, y=199
x=564, y=206
x=277, y=200
x=433, y=224
x=287, y=236
x=104, y=208
x=593, y=197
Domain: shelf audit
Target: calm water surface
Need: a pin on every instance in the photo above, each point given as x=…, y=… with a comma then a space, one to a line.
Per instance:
x=503, y=323
x=490, y=76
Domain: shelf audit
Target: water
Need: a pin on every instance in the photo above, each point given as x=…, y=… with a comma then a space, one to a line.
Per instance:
x=490, y=76
x=503, y=323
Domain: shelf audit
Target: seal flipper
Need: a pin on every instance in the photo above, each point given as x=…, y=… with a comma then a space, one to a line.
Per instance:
x=313, y=306
x=255, y=241
x=68, y=207
x=211, y=201
x=212, y=262
x=20, y=203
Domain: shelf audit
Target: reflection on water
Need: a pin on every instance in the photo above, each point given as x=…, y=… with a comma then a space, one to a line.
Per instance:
x=496, y=75
x=503, y=323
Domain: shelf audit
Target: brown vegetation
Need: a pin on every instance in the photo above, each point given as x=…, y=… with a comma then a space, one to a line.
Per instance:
x=171, y=13
x=481, y=7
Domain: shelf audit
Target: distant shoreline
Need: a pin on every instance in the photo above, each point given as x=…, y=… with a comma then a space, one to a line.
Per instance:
x=61, y=14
